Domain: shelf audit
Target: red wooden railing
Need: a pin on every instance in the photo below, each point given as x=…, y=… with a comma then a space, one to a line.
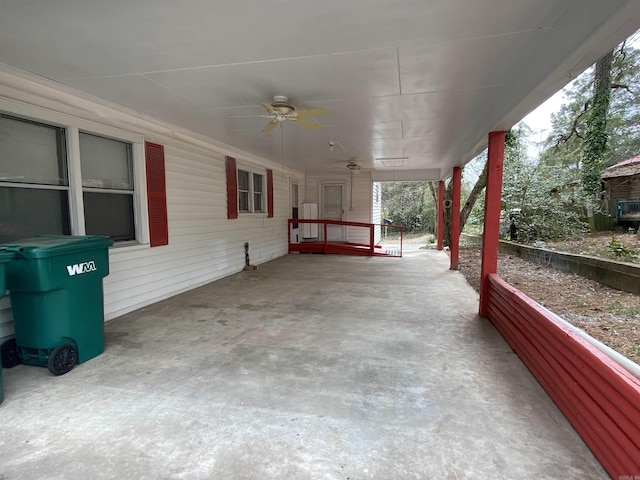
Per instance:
x=323, y=245
x=598, y=396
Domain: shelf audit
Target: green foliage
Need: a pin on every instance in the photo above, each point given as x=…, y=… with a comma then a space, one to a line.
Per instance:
x=620, y=250
x=567, y=144
x=409, y=204
x=546, y=195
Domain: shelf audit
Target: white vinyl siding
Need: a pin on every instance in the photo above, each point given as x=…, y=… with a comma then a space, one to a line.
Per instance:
x=376, y=210
x=203, y=244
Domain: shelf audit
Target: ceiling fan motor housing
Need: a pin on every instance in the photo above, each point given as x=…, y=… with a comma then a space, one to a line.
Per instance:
x=281, y=105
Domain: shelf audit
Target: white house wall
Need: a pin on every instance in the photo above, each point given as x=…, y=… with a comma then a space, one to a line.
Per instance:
x=203, y=244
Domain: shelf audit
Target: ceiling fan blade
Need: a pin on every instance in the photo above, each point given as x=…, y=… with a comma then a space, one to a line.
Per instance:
x=312, y=112
x=268, y=108
x=307, y=123
x=270, y=126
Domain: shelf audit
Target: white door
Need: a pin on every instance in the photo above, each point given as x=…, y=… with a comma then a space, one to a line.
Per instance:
x=332, y=209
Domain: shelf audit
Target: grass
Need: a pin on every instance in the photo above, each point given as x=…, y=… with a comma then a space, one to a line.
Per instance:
x=623, y=310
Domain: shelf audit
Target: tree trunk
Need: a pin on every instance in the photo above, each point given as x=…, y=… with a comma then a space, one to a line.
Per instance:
x=434, y=191
x=481, y=183
x=596, y=135
x=473, y=196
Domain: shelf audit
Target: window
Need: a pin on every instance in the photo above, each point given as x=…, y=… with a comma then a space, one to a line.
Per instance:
x=107, y=187
x=246, y=191
x=250, y=192
x=243, y=191
x=34, y=183
x=257, y=193
x=44, y=191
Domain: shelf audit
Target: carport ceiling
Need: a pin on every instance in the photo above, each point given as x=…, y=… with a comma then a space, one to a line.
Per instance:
x=422, y=80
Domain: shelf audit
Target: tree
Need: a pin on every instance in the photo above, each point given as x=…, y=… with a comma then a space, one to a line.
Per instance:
x=472, y=194
x=600, y=124
x=595, y=142
x=542, y=198
x=579, y=118
x=408, y=204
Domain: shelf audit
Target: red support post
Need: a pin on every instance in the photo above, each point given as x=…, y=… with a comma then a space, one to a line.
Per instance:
x=440, y=227
x=455, y=218
x=491, y=232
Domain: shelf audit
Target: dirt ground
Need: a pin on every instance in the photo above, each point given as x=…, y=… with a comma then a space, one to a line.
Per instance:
x=611, y=316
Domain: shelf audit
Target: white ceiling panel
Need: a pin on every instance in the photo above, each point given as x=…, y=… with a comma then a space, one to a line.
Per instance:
x=82, y=39
x=350, y=75
x=264, y=29
x=463, y=64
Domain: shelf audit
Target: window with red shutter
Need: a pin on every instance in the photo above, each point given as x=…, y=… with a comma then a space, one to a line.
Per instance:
x=156, y=194
x=270, y=193
x=232, y=188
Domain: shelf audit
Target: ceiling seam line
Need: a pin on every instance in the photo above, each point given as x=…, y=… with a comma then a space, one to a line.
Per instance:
x=235, y=64
x=399, y=76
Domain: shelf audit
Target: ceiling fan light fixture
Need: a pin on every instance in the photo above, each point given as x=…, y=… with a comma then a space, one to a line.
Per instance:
x=281, y=105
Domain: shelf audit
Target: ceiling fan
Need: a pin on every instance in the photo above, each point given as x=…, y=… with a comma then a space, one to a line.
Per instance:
x=281, y=110
x=353, y=166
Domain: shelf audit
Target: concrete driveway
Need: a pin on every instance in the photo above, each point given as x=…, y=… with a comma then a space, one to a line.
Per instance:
x=312, y=367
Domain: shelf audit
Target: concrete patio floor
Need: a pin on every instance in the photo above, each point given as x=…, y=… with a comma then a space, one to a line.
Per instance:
x=312, y=367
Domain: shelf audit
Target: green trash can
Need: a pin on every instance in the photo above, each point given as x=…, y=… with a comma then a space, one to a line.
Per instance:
x=4, y=258
x=57, y=300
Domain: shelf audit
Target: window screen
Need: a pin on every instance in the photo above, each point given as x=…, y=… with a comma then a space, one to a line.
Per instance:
x=31, y=153
x=106, y=163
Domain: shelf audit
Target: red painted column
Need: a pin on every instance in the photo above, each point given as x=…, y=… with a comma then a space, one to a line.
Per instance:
x=455, y=218
x=491, y=233
x=440, y=227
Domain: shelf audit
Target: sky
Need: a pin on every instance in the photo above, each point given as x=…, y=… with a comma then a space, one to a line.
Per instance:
x=540, y=118
x=539, y=121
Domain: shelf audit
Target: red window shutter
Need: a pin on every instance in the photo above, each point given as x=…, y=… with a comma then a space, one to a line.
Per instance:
x=269, y=193
x=156, y=194
x=232, y=188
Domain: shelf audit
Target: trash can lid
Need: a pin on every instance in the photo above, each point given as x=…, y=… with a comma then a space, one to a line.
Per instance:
x=5, y=256
x=43, y=246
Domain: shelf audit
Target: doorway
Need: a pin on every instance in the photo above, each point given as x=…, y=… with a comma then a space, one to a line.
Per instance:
x=333, y=209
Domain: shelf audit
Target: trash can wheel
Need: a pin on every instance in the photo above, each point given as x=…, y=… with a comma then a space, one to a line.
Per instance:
x=62, y=359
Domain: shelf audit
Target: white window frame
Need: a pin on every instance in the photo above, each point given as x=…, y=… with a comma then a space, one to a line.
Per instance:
x=252, y=192
x=72, y=127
